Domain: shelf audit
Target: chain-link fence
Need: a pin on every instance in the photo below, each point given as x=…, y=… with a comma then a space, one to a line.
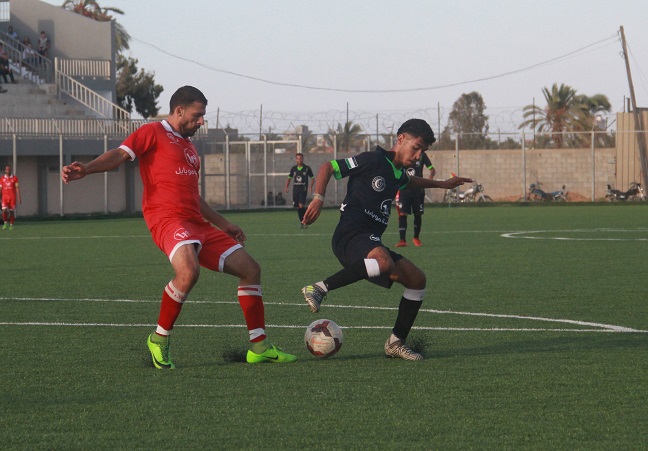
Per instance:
x=246, y=172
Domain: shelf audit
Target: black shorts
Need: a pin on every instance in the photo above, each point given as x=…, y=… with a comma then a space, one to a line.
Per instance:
x=299, y=197
x=349, y=248
x=411, y=201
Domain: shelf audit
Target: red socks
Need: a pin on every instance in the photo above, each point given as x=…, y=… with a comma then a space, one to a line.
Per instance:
x=251, y=300
x=172, y=301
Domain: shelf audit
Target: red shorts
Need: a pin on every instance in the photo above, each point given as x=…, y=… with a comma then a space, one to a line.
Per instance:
x=9, y=201
x=213, y=245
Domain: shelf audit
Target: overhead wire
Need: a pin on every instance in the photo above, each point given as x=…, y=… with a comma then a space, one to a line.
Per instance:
x=565, y=56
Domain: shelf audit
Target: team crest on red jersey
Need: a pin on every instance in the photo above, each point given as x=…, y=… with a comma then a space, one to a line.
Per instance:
x=191, y=157
x=181, y=234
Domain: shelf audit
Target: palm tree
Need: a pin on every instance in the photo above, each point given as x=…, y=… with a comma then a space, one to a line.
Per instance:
x=565, y=112
x=347, y=135
x=92, y=10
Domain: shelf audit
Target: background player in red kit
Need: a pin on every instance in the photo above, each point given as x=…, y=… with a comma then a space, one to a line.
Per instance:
x=182, y=223
x=10, y=193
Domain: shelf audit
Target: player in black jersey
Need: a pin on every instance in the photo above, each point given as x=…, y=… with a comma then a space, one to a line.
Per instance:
x=412, y=201
x=374, y=179
x=299, y=174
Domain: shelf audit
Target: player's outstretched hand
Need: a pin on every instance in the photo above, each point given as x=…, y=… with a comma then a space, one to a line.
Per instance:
x=457, y=181
x=73, y=171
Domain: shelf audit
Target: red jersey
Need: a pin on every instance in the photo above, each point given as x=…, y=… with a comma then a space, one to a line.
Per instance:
x=9, y=185
x=169, y=167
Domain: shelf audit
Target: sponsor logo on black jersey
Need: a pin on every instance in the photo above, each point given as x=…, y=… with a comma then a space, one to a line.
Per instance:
x=378, y=184
x=385, y=207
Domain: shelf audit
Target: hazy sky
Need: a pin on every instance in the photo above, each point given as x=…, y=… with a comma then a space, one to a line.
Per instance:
x=435, y=49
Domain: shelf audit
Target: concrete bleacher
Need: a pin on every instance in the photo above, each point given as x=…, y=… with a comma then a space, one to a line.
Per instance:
x=27, y=100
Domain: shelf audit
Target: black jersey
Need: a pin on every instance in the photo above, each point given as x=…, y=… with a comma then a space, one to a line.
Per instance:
x=416, y=169
x=372, y=186
x=300, y=176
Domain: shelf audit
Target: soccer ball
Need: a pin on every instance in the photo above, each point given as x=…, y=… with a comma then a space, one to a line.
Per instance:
x=323, y=338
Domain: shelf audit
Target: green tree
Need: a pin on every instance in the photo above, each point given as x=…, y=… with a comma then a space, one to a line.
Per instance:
x=348, y=136
x=566, y=116
x=467, y=119
x=136, y=88
x=445, y=140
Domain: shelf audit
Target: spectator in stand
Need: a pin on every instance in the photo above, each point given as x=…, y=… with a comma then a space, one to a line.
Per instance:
x=2, y=50
x=43, y=44
x=11, y=33
x=5, y=68
x=30, y=60
x=279, y=199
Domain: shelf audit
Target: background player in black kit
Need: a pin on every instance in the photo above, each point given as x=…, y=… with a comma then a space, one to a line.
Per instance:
x=374, y=179
x=299, y=174
x=412, y=201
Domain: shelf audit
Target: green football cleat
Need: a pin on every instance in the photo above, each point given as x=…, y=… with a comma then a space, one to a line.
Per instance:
x=273, y=354
x=10, y=226
x=5, y=225
x=160, y=354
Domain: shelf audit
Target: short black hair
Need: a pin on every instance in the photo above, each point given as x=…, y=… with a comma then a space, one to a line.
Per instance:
x=419, y=129
x=185, y=96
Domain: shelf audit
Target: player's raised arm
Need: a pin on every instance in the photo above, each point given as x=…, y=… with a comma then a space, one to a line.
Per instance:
x=321, y=181
x=419, y=182
x=103, y=163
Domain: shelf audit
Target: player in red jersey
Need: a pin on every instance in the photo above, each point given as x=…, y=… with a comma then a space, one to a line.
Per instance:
x=182, y=223
x=10, y=194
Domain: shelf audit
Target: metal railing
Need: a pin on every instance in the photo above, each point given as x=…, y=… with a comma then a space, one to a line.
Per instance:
x=76, y=128
x=87, y=97
x=84, y=68
x=27, y=61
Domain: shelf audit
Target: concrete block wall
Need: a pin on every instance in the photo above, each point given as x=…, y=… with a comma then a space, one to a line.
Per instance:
x=502, y=172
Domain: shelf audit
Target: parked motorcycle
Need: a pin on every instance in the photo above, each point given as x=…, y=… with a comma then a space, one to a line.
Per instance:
x=473, y=194
x=636, y=193
x=537, y=194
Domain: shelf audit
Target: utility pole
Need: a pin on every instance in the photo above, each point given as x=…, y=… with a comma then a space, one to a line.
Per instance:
x=638, y=119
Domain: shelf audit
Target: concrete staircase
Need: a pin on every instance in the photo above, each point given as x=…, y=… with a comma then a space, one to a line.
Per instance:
x=25, y=99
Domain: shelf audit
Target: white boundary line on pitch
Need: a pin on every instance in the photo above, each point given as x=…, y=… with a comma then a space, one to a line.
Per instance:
x=292, y=235
x=519, y=234
x=599, y=326
x=524, y=234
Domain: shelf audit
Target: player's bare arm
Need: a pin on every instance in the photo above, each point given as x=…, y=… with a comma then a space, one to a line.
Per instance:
x=219, y=221
x=315, y=207
x=419, y=182
x=103, y=163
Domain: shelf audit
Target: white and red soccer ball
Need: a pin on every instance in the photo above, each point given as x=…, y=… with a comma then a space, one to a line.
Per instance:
x=323, y=338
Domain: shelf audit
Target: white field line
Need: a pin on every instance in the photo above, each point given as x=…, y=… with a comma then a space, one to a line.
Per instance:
x=305, y=234
x=529, y=234
x=597, y=327
x=519, y=234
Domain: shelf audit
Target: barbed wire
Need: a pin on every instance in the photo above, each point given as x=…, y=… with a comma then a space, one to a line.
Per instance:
x=500, y=120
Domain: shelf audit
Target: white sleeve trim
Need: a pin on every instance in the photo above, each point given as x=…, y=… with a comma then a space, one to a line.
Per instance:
x=129, y=152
